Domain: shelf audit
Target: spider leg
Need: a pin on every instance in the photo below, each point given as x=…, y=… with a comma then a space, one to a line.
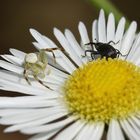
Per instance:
x=26, y=76
x=39, y=81
x=63, y=50
x=51, y=50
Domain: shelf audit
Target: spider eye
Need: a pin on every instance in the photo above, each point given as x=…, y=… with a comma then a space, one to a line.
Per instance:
x=31, y=58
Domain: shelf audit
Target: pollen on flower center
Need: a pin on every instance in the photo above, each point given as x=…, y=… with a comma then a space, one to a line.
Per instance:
x=103, y=89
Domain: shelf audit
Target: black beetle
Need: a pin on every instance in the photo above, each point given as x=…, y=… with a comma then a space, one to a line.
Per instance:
x=104, y=50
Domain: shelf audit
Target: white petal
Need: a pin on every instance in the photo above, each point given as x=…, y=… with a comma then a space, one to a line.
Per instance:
x=18, y=54
x=128, y=39
x=13, y=59
x=119, y=33
x=51, y=81
x=133, y=53
x=44, y=136
x=83, y=33
x=110, y=28
x=33, y=123
x=17, y=111
x=102, y=27
x=17, y=87
x=98, y=131
x=70, y=132
x=130, y=132
x=38, y=37
x=95, y=31
x=60, y=57
x=7, y=102
x=80, y=52
x=19, y=70
x=135, y=126
x=136, y=120
x=29, y=116
x=86, y=132
x=55, y=71
x=48, y=127
x=66, y=45
x=11, y=67
x=136, y=56
x=114, y=132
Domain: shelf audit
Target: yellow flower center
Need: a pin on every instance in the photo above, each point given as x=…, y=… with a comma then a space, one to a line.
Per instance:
x=103, y=89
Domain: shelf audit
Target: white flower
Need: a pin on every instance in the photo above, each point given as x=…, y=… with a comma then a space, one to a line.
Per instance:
x=98, y=93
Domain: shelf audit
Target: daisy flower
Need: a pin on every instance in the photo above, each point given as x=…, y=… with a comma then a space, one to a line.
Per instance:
x=87, y=98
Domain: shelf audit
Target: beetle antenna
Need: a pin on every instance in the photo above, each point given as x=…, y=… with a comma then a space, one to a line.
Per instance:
x=115, y=43
x=90, y=43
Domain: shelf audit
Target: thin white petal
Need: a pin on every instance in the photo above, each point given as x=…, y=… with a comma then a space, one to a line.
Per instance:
x=11, y=67
x=86, y=132
x=119, y=33
x=22, y=88
x=33, y=123
x=135, y=126
x=55, y=71
x=83, y=33
x=51, y=81
x=128, y=39
x=130, y=132
x=48, y=127
x=70, y=132
x=102, y=27
x=10, y=111
x=66, y=45
x=18, y=54
x=98, y=131
x=114, y=132
x=29, y=116
x=136, y=56
x=95, y=31
x=133, y=53
x=13, y=59
x=38, y=37
x=136, y=120
x=80, y=52
x=44, y=136
x=7, y=102
x=110, y=28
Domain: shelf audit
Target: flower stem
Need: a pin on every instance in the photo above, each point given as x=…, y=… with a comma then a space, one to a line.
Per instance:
x=108, y=7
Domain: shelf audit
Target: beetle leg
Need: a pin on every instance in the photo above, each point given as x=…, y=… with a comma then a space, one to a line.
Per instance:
x=93, y=54
x=39, y=81
x=51, y=50
x=86, y=53
x=26, y=77
x=90, y=43
x=119, y=53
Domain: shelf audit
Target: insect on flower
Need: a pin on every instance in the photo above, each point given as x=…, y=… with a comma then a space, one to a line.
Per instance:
x=35, y=64
x=104, y=50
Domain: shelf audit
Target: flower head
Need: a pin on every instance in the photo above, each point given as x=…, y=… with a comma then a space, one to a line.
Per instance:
x=91, y=89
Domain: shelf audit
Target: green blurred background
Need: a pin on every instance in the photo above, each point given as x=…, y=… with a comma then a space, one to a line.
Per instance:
x=18, y=16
